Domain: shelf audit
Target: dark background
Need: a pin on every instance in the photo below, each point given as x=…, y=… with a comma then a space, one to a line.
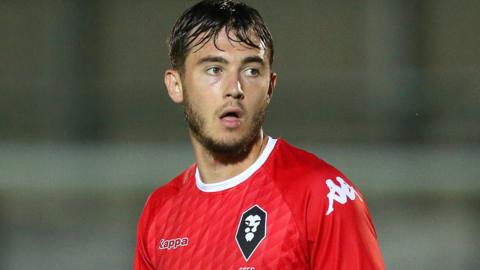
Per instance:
x=387, y=91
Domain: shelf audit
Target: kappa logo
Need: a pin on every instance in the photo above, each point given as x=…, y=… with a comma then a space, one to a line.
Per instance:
x=340, y=193
x=173, y=243
x=251, y=230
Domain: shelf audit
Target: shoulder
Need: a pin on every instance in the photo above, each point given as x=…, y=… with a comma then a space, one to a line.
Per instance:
x=169, y=190
x=323, y=200
x=305, y=179
x=302, y=168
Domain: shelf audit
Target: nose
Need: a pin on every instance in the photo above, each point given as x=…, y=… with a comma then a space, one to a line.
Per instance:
x=234, y=88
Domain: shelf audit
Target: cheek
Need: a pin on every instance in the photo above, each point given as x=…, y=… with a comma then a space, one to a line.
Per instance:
x=258, y=91
x=257, y=85
x=257, y=105
x=203, y=106
x=205, y=87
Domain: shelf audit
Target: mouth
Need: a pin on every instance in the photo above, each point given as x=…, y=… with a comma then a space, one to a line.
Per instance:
x=231, y=117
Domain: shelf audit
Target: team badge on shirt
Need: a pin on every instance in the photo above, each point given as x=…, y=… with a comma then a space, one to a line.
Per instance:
x=251, y=230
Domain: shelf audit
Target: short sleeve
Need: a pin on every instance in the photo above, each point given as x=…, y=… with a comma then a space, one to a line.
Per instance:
x=340, y=232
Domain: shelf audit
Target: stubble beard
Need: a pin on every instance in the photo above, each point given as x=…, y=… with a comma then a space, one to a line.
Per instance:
x=233, y=150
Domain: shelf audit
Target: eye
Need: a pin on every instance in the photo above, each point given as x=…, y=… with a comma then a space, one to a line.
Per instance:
x=214, y=70
x=252, y=72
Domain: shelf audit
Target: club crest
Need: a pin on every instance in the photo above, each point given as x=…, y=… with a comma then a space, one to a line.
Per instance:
x=252, y=229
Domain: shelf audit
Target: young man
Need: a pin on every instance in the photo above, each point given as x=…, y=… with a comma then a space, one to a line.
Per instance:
x=249, y=201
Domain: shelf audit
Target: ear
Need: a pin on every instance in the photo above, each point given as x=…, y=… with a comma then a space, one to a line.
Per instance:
x=271, y=86
x=173, y=83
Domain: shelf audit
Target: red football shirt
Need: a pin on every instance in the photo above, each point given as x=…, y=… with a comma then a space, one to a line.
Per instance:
x=288, y=210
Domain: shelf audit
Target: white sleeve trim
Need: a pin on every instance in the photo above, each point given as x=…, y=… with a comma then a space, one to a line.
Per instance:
x=238, y=179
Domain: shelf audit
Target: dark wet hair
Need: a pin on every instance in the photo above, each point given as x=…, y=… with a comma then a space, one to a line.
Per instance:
x=204, y=21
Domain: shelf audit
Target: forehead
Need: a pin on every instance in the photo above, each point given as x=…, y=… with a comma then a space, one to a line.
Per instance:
x=228, y=45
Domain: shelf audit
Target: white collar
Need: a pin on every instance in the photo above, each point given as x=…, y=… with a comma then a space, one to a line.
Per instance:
x=236, y=180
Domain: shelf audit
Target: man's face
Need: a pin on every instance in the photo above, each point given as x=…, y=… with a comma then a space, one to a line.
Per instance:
x=226, y=90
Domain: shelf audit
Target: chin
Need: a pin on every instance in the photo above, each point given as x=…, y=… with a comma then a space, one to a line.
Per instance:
x=231, y=144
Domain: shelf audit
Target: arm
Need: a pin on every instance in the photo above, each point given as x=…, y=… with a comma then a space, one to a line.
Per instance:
x=340, y=232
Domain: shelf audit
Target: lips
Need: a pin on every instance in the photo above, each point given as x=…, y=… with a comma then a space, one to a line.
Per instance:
x=230, y=117
x=231, y=112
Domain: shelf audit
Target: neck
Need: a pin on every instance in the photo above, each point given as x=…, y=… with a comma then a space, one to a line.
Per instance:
x=215, y=168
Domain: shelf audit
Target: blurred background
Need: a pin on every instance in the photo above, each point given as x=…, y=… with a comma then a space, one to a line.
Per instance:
x=387, y=91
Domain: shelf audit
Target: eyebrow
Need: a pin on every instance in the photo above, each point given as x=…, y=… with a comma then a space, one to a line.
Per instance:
x=208, y=59
x=253, y=59
x=219, y=59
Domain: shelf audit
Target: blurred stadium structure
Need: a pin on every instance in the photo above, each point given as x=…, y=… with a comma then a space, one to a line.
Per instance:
x=388, y=91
